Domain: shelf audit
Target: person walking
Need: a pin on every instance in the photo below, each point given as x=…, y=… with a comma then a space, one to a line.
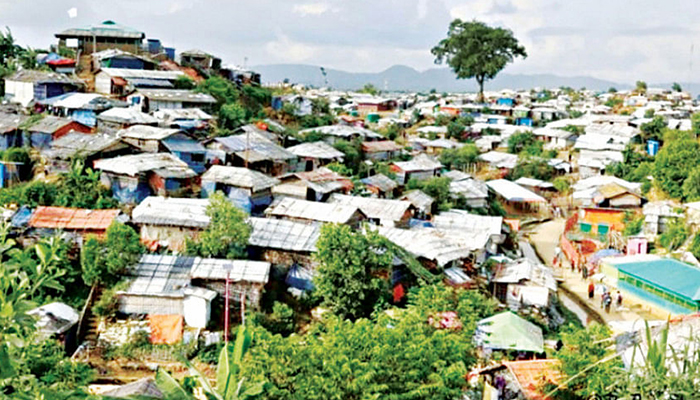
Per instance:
x=619, y=299
x=608, y=302
x=591, y=290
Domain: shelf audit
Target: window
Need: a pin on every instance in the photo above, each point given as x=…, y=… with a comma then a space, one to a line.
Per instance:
x=197, y=157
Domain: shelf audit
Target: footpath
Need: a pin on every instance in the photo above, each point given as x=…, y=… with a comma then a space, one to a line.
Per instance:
x=545, y=238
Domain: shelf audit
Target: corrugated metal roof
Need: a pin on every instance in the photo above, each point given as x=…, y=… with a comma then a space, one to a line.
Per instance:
x=525, y=270
x=239, y=177
x=50, y=124
x=672, y=275
x=429, y=243
x=182, y=114
x=11, y=122
x=419, y=199
x=80, y=143
x=156, y=210
x=177, y=95
x=259, y=147
x=238, y=270
x=343, y=131
x=421, y=162
x=311, y=210
x=380, y=146
x=320, y=150
x=146, y=132
x=383, y=209
x=279, y=234
x=104, y=29
x=127, y=116
x=164, y=164
x=160, y=275
x=464, y=222
x=142, y=73
x=381, y=181
x=456, y=176
x=183, y=144
x=30, y=75
x=469, y=189
x=72, y=218
x=511, y=191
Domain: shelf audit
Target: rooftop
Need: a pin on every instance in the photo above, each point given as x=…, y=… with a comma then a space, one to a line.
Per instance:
x=239, y=177
x=163, y=164
x=382, y=209
x=311, y=210
x=129, y=116
x=321, y=150
x=421, y=162
x=381, y=181
x=105, y=29
x=279, y=234
x=672, y=275
x=30, y=75
x=72, y=218
x=177, y=95
x=155, y=210
x=146, y=132
x=511, y=191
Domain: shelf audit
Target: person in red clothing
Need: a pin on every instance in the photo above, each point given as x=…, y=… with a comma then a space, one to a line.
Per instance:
x=591, y=290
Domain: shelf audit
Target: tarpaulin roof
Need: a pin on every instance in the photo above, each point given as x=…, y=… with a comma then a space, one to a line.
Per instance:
x=507, y=331
x=511, y=191
x=239, y=177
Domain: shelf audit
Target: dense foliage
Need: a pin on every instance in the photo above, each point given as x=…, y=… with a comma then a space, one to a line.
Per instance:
x=227, y=234
x=460, y=158
x=353, y=269
x=104, y=261
x=674, y=162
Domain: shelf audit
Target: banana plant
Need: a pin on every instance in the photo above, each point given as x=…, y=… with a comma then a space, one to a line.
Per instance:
x=228, y=385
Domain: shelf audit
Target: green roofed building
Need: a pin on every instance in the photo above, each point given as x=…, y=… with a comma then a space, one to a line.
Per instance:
x=668, y=283
x=507, y=331
x=107, y=35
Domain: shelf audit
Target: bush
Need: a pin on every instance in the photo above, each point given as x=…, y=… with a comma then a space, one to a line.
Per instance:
x=107, y=305
x=281, y=320
x=676, y=234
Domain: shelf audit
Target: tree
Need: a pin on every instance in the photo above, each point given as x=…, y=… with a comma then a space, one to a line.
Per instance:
x=369, y=89
x=695, y=122
x=227, y=234
x=476, y=50
x=691, y=185
x=461, y=157
x=455, y=130
x=641, y=87
x=676, y=87
x=105, y=261
x=518, y=141
x=654, y=129
x=351, y=269
x=437, y=187
x=672, y=165
x=532, y=168
x=675, y=235
x=612, y=90
x=352, y=151
x=232, y=115
x=184, y=82
x=221, y=89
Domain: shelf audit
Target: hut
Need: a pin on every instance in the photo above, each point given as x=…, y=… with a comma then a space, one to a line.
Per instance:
x=170, y=222
x=249, y=190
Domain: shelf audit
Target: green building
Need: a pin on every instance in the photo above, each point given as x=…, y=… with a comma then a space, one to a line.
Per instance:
x=668, y=283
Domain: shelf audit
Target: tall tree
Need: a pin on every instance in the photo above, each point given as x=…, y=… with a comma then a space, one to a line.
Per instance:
x=227, y=234
x=350, y=275
x=476, y=50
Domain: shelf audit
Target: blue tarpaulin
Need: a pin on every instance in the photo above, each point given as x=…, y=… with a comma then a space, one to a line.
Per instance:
x=300, y=278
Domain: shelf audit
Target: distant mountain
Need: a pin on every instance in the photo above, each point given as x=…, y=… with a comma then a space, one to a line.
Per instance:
x=403, y=78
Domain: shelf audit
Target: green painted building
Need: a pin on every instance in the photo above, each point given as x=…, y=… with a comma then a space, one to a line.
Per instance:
x=668, y=283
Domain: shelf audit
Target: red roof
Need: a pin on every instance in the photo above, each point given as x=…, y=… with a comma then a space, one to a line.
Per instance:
x=380, y=146
x=62, y=61
x=72, y=218
x=533, y=375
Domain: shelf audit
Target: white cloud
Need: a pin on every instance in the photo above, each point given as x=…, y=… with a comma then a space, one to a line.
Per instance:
x=422, y=8
x=311, y=9
x=285, y=50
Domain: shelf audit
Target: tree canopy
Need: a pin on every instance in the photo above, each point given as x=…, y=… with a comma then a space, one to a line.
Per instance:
x=227, y=234
x=475, y=50
x=673, y=164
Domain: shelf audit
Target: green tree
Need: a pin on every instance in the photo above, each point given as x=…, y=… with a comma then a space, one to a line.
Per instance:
x=353, y=153
x=518, y=141
x=227, y=234
x=654, y=129
x=691, y=185
x=369, y=89
x=232, y=115
x=671, y=165
x=476, y=50
x=455, y=130
x=105, y=261
x=695, y=123
x=221, y=89
x=675, y=235
x=641, y=87
x=676, y=87
x=437, y=187
x=532, y=168
x=612, y=90
x=184, y=82
x=460, y=158
x=351, y=271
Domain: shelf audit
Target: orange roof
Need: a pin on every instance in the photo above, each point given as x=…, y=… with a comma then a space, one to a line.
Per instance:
x=382, y=145
x=72, y=218
x=533, y=375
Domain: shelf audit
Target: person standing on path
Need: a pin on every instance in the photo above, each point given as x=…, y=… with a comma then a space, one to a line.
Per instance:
x=591, y=290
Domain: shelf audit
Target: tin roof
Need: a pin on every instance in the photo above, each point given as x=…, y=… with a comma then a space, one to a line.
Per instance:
x=507, y=331
x=11, y=122
x=381, y=181
x=534, y=376
x=430, y=243
x=280, y=234
x=105, y=29
x=72, y=218
x=171, y=211
x=311, y=210
x=380, y=146
x=30, y=75
x=320, y=150
x=421, y=162
x=419, y=199
x=511, y=191
x=126, y=116
x=177, y=95
x=50, y=124
x=343, y=131
x=239, y=177
x=237, y=270
x=163, y=164
x=259, y=148
x=383, y=209
x=129, y=74
x=84, y=144
x=469, y=189
x=146, y=132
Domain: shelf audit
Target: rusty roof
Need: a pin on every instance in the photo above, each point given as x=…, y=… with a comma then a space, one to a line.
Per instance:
x=533, y=376
x=380, y=146
x=72, y=218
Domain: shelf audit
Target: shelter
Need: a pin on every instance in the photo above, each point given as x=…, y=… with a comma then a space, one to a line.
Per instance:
x=77, y=220
x=333, y=133
x=421, y=201
x=124, y=81
x=144, y=388
x=106, y=35
x=381, y=150
x=383, y=212
x=170, y=99
x=500, y=160
x=251, y=150
x=88, y=146
x=153, y=140
x=132, y=178
x=310, y=211
x=81, y=107
x=516, y=197
x=29, y=85
x=186, y=119
x=283, y=242
x=11, y=130
x=54, y=319
x=420, y=167
x=473, y=192
x=115, y=119
x=246, y=278
x=509, y=332
x=116, y=58
x=523, y=282
x=527, y=379
x=249, y=190
x=380, y=185
x=316, y=185
x=161, y=286
x=170, y=222
x=50, y=128
x=315, y=154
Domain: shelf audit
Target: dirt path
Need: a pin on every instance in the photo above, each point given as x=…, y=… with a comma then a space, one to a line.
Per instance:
x=545, y=238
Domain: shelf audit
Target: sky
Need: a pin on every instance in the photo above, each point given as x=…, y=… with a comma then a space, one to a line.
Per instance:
x=619, y=40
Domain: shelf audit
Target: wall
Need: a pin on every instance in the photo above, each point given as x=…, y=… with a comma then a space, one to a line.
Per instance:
x=172, y=237
x=613, y=218
x=197, y=311
x=103, y=83
x=22, y=92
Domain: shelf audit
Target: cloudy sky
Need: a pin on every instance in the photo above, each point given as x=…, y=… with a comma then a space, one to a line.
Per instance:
x=619, y=40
